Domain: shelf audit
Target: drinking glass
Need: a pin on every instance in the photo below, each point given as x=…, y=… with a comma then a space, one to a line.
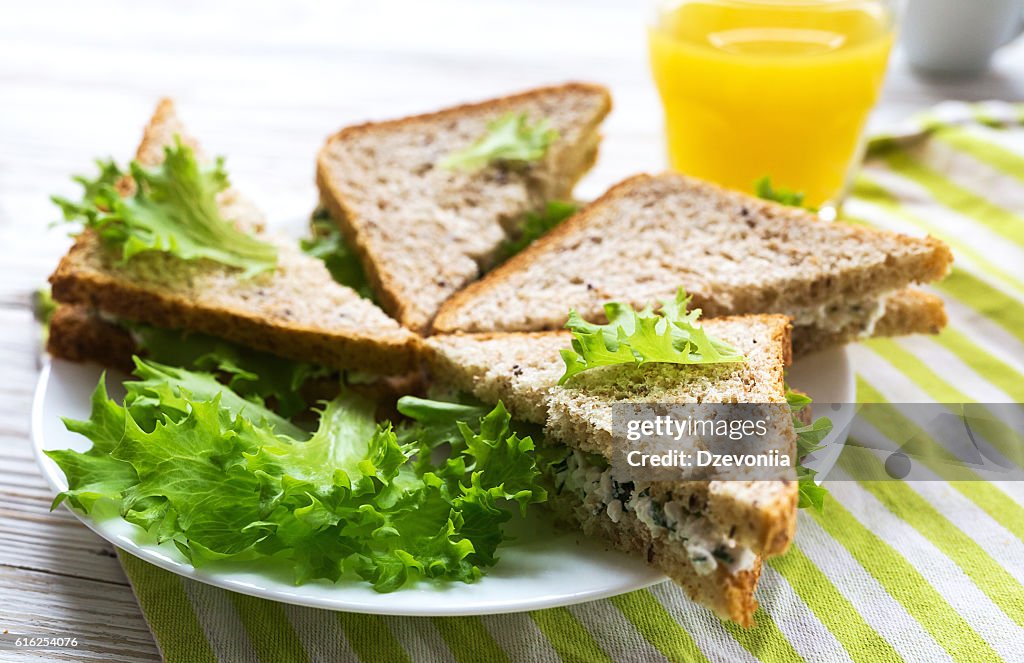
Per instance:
x=777, y=89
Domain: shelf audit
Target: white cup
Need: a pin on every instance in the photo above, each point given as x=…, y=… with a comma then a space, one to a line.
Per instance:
x=958, y=37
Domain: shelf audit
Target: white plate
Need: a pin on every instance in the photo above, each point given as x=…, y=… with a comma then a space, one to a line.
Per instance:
x=541, y=568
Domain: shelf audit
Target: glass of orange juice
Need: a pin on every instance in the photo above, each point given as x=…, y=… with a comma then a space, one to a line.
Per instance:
x=776, y=88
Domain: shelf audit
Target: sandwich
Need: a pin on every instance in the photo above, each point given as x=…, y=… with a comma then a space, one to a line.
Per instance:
x=733, y=253
x=169, y=244
x=707, y=536
x=428, y=202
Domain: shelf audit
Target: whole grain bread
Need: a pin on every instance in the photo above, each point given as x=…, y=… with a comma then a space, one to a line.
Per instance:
x=297, y=311
x=423, y=231
x=736, y=254
x=522, y=370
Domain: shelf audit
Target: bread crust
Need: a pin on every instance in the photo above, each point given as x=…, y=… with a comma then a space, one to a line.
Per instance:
x=163, y=128
x=388, y=291
x=496, y=103
x=930, y=263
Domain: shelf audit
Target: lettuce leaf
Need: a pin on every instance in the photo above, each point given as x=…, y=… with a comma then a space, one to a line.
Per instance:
x=537, y=224
x=43, y=305
x=161, y=390
x=328, y=244
x=171, y=208
x=432, y=424
x=808, y=440
x=502, y=466
x=43, y=308
x=763, y=189
x=669, y=335
x=797, y=400
x=95, y=475
x=220, y=478
x=257, y=376
x=511, y=139
x=811, y=494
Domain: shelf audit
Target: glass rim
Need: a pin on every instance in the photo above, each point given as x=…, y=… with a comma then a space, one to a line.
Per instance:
x=891, y=8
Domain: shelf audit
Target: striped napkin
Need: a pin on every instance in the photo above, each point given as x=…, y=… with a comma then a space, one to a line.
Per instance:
x=890, y=571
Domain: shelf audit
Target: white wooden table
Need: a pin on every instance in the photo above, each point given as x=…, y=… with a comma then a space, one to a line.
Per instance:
x=263, y=83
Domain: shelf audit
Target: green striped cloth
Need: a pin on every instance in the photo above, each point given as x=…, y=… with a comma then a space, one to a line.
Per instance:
x=929, y=571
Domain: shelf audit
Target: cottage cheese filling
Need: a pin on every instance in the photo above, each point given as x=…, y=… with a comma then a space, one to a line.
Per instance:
x=706, y=545
x=836, y=316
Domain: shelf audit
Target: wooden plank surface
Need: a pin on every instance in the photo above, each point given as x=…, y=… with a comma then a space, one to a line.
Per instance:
x=263, y=83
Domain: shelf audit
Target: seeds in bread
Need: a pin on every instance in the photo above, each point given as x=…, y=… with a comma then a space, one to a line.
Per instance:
x=735, y=254
x=424, y=232
x=298, y=311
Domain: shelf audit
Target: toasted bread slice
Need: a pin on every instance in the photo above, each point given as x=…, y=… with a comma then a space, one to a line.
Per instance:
x=522, y=370
x=298, y=311
x=736, y=254
x=423, y=231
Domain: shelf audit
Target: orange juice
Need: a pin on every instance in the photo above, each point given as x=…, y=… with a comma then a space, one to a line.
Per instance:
x=778, y=88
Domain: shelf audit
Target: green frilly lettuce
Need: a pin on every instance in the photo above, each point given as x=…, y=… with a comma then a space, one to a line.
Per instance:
x=224, y=478
x=667, y=335
x=171, y=208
